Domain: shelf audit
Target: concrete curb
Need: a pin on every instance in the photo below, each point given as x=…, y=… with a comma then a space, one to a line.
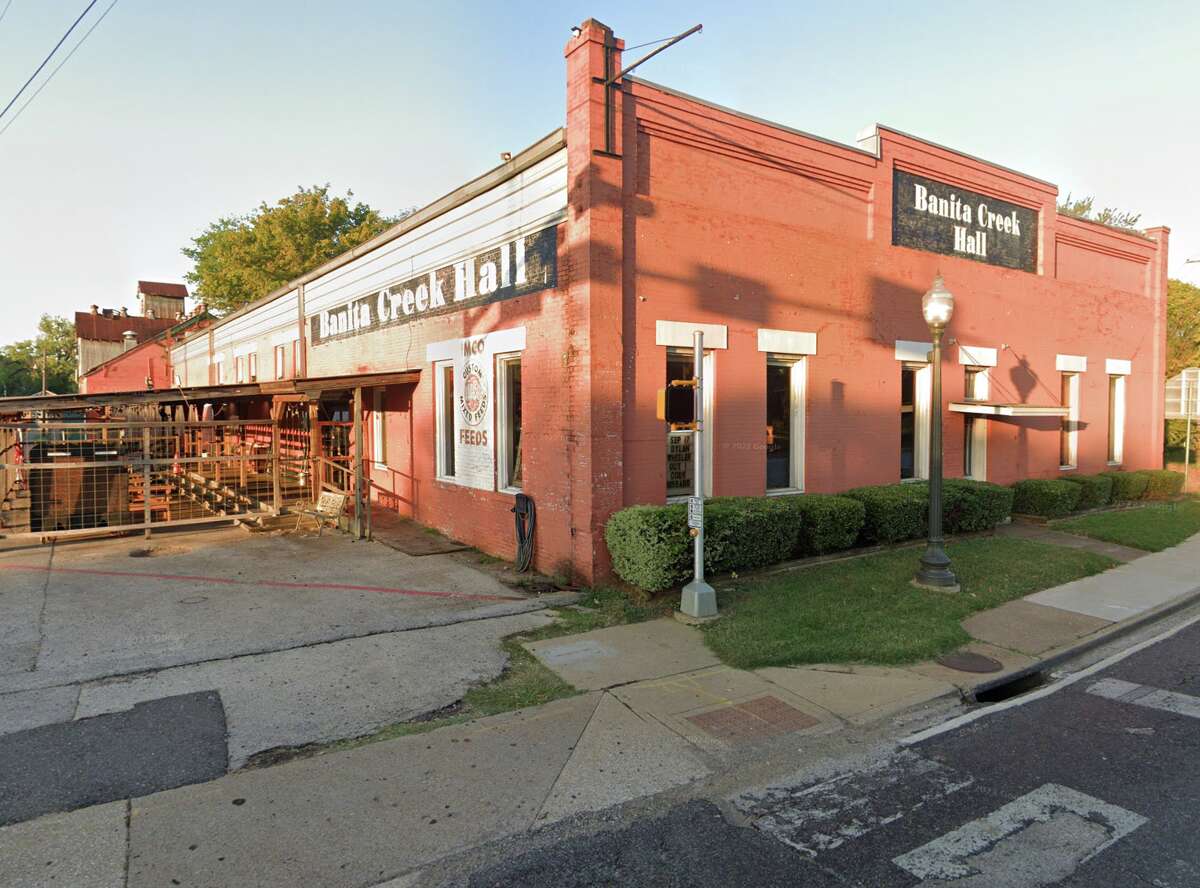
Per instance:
x=1097, y=639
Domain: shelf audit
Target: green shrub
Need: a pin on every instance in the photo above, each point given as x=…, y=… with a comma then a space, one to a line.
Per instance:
x=1095, y=490
x=826, y=523
x=892, y=512
x=1162, y=483
x=744, y=533
x=1128, y=485
x=1048, y=497
x=976, y=505
x=650, y=546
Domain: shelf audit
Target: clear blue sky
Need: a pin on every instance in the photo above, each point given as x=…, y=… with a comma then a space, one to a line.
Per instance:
x=174, y=113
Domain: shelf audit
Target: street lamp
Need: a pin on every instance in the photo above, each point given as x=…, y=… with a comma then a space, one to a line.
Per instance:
x=937, y=306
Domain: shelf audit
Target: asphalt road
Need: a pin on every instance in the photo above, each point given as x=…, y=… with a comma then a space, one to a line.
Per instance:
x=1096, y=784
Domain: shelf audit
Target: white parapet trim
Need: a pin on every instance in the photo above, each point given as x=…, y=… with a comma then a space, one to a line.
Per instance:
x=678, y=334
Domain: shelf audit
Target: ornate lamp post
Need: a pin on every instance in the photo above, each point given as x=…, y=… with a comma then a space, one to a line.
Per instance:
x=937, y=306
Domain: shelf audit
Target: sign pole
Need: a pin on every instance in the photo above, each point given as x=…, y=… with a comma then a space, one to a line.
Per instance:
x=699, y=599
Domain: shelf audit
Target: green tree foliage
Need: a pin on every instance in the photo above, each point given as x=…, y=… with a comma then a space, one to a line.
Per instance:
x=1183, y=326
x=21, y=362
x=1084, y=208
x=239, y=259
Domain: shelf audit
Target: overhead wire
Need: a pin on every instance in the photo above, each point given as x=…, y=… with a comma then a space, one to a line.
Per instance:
x=4, y=12
x=57, y=68
x=46, y=60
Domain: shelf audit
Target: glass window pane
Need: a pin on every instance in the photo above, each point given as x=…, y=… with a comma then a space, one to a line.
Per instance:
x=679, y=444
x=779, y=425
x=448, y=421
x=908, y=377
x=512, y=397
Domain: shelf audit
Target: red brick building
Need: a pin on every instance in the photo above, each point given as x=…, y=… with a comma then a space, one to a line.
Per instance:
x=144, y=364
x=545, y=303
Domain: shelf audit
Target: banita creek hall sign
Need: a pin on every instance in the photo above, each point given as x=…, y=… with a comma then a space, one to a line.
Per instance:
x=933, y=216
x=524, y=265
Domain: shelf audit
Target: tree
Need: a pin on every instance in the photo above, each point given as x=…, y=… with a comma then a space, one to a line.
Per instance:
x=1082, y=208
x=239, y=259
x=1183, y=326
x=21, y=362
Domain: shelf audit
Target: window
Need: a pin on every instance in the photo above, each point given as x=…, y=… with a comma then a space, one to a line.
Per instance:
x=1068, y=439
x=785, y=422
x=1116, y=419
x=915, y=381
x=444, y=430
x=280, y=362
x=508, y=385
x=252, y=363
x=295, y=358
x=378, y=429
x=680, y=462
x=975, y=427
x=220, y=372
x=239, y=368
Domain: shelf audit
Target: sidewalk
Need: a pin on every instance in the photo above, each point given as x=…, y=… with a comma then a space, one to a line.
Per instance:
x=657, y=711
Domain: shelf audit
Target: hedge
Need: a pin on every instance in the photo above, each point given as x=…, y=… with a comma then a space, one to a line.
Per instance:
x=825, y=523
x=1128, y=485
x=1162, y=483
x=744, y=533
x=892, y=512
x=649, y=546
x=1095, y=490
x=982, y=506
x=1050, y=498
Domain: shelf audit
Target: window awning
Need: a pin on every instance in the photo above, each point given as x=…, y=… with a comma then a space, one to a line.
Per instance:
x=998, y=408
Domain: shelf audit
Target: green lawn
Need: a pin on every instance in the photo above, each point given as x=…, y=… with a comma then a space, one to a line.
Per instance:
x=1152, y=527
x=865, y=610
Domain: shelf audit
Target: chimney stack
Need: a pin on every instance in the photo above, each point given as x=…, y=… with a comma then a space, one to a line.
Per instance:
x=124, y=312
x=95, y=309
x=130, y=338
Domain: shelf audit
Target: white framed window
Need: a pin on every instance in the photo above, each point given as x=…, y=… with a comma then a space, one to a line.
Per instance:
x=280, y=362
x=680, y=456
x=1068, y=438
x=252, y=366
x=1116, y=419
x=443, y=384
x=785, y=387
x=975, y=428
x=916, y=381
x=295, y=359
x=508, y=421
x=219, y=370
x=378, y=429
x=239, y=368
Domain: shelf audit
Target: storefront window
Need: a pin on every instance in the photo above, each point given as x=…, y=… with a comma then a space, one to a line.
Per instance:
x=785, y=422
x=1068, y=436
x=1116, y=419
x=908, y=443
x=509, y=371
x=444, y=401
x=679, y=444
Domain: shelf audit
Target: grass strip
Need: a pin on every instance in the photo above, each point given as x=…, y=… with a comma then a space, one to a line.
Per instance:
x=1151, y=527
x=865, y=610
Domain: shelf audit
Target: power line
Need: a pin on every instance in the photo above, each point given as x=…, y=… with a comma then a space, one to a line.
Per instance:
x=61, y=40
x=5, y=12
x=57, y=68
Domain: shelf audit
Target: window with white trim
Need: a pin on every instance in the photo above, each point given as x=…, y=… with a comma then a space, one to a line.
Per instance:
x=280, y=362
x=443, y=383
x=680, y=461
x=785, y=422
x=1068, y=438
x=378, y=429
x=1116, y=419
x=915, y=396
x=295, y=359
x=252, y=366
x=239, y=368
x=975, y=388
x=508, y=419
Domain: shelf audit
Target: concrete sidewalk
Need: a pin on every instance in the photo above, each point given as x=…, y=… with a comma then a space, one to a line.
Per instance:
x=657, y=712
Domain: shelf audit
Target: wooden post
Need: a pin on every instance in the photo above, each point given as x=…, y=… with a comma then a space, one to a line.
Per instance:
x=146, y=514
x=314, y=447
x=276, y=457
x=359, y=507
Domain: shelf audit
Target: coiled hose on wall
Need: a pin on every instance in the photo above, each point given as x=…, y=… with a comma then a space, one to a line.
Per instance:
x=525, y=514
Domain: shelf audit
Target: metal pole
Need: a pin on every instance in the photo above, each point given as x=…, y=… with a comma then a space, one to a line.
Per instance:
x=1187, y=448
x=699, y=599
x=935, y=563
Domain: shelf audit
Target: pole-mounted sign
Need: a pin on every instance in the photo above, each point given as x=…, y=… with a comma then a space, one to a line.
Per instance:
x=684, y=410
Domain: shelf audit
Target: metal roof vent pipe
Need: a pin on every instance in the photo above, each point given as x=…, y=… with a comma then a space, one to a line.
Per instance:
x=130, y=339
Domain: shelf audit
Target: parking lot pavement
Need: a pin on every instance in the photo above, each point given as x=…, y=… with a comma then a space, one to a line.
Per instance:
x=87, y=611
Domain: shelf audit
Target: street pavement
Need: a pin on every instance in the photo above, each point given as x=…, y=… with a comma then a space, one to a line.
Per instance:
x=1093, y=784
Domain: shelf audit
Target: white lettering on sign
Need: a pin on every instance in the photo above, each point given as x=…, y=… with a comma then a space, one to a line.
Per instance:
x=951, y=207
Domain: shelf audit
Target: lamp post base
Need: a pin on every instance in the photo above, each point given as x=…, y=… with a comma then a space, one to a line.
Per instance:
x=935, y=572
x=698, y=600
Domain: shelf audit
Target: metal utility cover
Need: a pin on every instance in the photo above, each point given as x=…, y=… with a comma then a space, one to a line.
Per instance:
x=966, y=661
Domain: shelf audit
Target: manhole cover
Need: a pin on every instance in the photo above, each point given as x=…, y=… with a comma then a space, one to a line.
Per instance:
x=965, y=661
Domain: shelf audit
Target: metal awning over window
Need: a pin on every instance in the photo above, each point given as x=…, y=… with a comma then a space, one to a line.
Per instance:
x=998, y=408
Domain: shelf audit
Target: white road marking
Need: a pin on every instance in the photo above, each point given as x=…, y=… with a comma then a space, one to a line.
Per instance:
x=1144, y=695
x=995, y=850
x=1064, y=682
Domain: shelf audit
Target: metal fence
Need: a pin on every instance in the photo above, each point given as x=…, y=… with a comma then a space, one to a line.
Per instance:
x=72, y=478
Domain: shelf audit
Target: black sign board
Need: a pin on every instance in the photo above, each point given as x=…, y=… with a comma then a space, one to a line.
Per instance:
x=940, y=218
x=525, y=265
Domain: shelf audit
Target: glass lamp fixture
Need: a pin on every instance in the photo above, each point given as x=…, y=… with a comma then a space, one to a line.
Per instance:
x=937, y=305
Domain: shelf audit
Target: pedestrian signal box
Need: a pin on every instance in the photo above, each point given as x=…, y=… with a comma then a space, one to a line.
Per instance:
x=677, y=404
